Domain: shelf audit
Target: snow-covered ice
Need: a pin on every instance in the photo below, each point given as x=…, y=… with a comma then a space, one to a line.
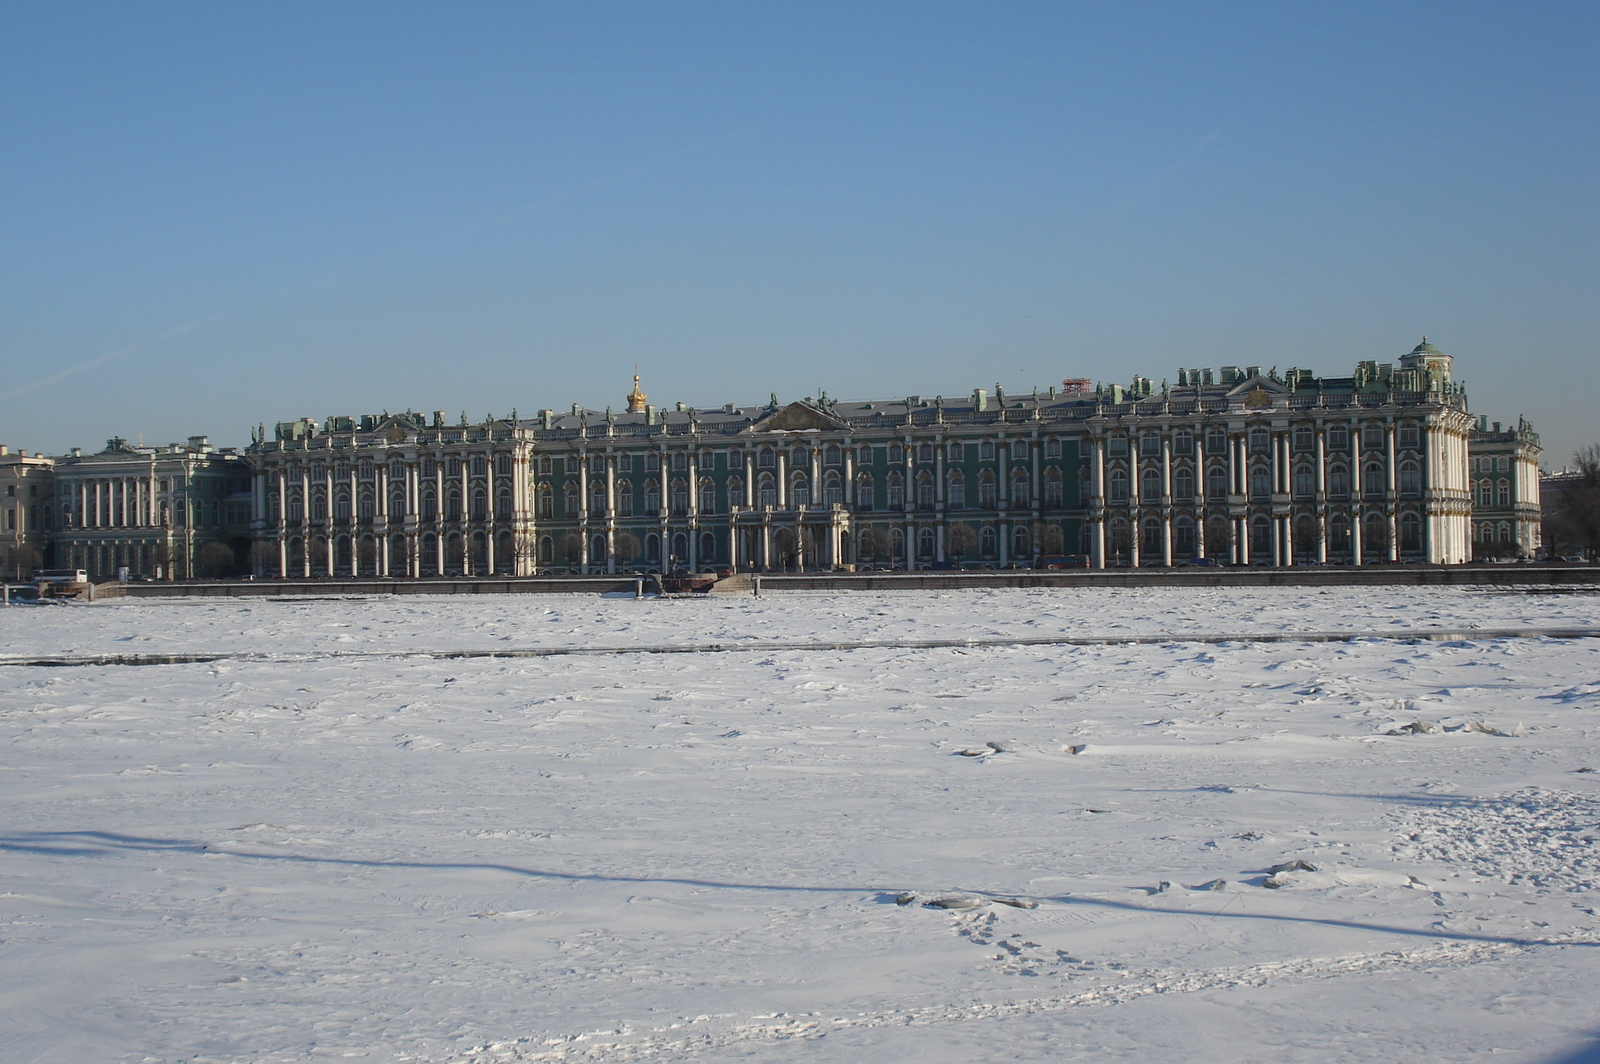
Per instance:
x=1211, y=852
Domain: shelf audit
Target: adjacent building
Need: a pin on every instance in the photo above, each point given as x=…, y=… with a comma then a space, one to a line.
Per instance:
x=1503, y=468
x=27, y=490
x=1239, y=465
x=178, y=511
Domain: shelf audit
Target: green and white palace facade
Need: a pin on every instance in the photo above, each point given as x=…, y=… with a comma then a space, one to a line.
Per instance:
x=1239, y=466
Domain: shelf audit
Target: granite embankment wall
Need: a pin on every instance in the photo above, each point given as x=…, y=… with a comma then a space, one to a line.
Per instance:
x=1532, y=576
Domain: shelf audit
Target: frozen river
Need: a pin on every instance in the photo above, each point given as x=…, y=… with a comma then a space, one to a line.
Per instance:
x=352, y=848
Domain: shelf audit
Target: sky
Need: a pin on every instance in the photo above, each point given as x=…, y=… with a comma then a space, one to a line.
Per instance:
x=214, y=216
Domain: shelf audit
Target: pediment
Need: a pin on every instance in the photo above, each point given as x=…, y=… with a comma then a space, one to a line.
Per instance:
x=797, y=417
x=1259, y=392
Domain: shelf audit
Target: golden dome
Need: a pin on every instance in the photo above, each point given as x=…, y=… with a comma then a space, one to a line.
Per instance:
x=636, y=398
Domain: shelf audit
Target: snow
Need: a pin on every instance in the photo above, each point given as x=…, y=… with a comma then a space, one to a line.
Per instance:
x=348, y=847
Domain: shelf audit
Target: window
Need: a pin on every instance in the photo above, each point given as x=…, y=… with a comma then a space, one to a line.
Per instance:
x=1183, y=442
x=1260, y=441
x=1150, y=545
x=1183, y=484
x=1150, y=444
x=1338, y=480
x=480, y=466
x=1502, y=464
x=625, y=498
x=680, y=462
x=864, y=492
x=1303, y=440
x=1052, y=447
x=597, y=496
x=364, y=507
x=1408, y=435
x=1372, y=480
x=1019, y=489
x=707, y=502
x=1485, y=493
x=1305, y=481
x=988, y=495
x=956, y=490
x=1052, y=488
x=319, y=507
x=1117, y=444
x=1021, y=542
x=1260, y=482
x=925, y=452
x=735, y=491
x=986, y=451
x=1338, y=438
x=1216, y=441
x=1503, y=493
x=547, y=503
x=925, y=542
x=544, y=466
x=1372, y=436
x=1410, y=532
x=832, y=490
x=1183, y=545
x=1217, y=482
x=452, y=503
x=799, y=491
x=652, y=462
x=832, y=456
x=954, y=452
x=987, y=540
x=680, y=495
x=597, y=465
x=766, y=491
x=896, y=492
x=897, y=454
x=1410, y=479
x=1150, y=485
x=925, y=491
x=502, y=504
x=1119, y=486
x=502, y=464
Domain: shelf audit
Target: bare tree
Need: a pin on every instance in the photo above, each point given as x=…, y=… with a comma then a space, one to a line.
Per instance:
x=1576, y=513
x=959, y=540
x=869, y=543
x=1048, y=537
x=264, y=558
x=1119, y=539
x=214, y=560
x=1219, y=539
x=367, y=555
x=572, y=547
x=626, y=546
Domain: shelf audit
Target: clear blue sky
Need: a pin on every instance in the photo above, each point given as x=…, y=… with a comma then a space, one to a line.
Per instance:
x=232, y=213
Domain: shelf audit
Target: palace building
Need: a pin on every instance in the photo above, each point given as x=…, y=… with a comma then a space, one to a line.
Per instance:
x=1238, y=465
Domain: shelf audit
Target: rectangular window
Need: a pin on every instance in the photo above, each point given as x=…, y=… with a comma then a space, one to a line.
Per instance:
x=1052, y=447
x=1303, y=438
x=1338, y=438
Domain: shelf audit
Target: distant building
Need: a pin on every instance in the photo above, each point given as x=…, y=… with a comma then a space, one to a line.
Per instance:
x=1245, y=466
x=1503, y=468
x=27, y=488
x=177, y=511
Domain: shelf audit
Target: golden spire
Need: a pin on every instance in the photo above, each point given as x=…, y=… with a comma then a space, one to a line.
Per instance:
x=636, y=398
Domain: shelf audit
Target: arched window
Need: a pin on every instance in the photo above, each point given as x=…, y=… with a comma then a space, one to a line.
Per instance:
x=767, y=459
x=544, y=468
x=1372, y=481
x=397, y=505
x=987, y=542
x=453, y=503
x=625, y=498
x=1119, y=485
x=1505, y=531
x=1305, y=481
x=680, y=497
x=502, y=504
x=708, y=548
x=547, y=501
x=1021, y=542
x=1150, y=485
x=1410, y=479
x=1183, y=484
x=766, y=491
x=1260, y=482
x=1339, y=535
x=1052, y=488
x=955, y=490
x=1020, y=489
x=925, y=490
x=1052, y=447
x=799, y=492
x=897, y=454
x=547, y=550
x=735, y=491
x=319, y=507
x=652, y=549
x=1410, y=532
x=680, y=549
x=502, y=464
x=953, y=451
x=1502, y=495
x=1217, y=482
x=652, y=462
x=652, y=497
x=986, y=451
x=1183, y=538
x=1338, y=481
x=1260, y=540
x=897, y=543
x=341, y=505
x=896, y=492
x=1305, y=537
x=865, y=492
x=597, y=549
x=680, y=461
x=1150, y=541
x=364, y=507
x=707, y=496
x=597, y=497
x=480, y=504
x=831, y=456
x=988, y=495
x=925, y=453
x=832, y=490
x=925, y=543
